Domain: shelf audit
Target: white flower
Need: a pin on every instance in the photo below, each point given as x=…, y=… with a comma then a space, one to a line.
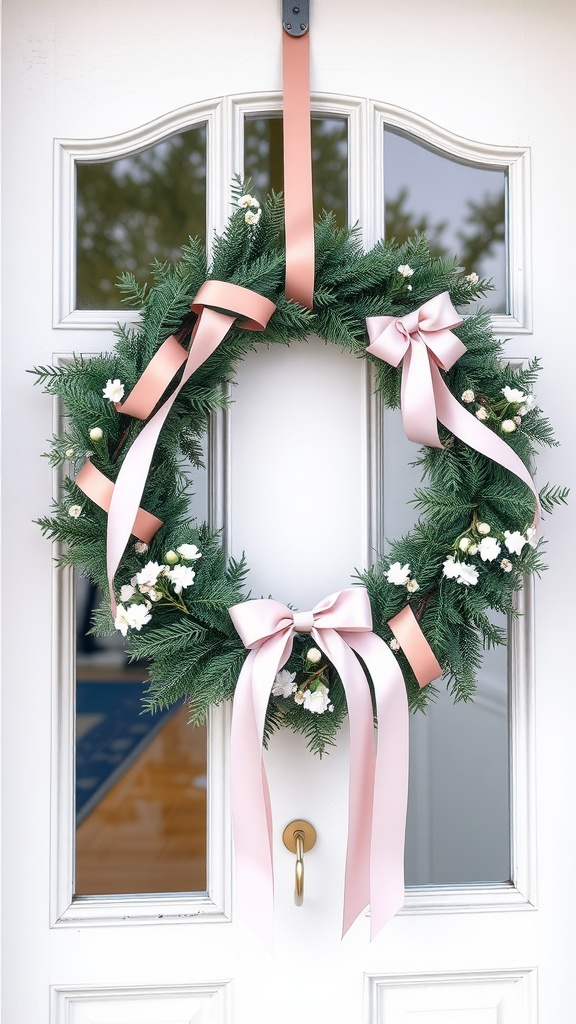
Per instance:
x=483, y=529
x=513, y=394
x=189, y=552
x=514, y=541
x=247, y=201
x=394, y=645
x=313, y=655
x=126, y=592
x=473, y=549
x=468, y=396
x=96, y=434
x=507, y=426
x=517, y=420
x=398, y=574
x=472, y=278
x=152, y=593
x=531, y=536
x=489, y=549
x=284, y=685
x=330, y=707
x=528, y=403
x=171, y=557
x=318, y=701
x=299, y=697
x=181, y=576
x=506, y=564
x=75, y=511
x=148, y=576
x=464, y=543
x=121, y=620
x=137, y=615
x=468, y=574
x=252, y=218
x=408, y=287
x=412, y=586
x=405, y=270
x=451, y=568
x=481, y=413
x=114, y=391
x=140, y=547
x=69, y=453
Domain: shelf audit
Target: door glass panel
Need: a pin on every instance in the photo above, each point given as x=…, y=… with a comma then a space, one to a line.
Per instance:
x=460, y=206
x=135, y=209
x=263, y=155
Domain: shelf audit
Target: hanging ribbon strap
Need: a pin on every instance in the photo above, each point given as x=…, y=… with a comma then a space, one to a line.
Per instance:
x=253, y=312
x=378, y=786
x=423, y=341
x=298, y=210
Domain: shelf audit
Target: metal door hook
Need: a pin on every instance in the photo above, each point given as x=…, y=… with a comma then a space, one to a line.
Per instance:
x=299, y=837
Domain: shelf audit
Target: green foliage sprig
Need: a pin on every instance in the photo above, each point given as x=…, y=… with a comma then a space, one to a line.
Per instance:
x=468, y=506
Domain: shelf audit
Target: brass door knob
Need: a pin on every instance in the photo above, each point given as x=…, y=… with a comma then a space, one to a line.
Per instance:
x=299, y=837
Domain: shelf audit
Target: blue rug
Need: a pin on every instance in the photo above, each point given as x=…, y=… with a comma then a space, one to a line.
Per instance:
x=111, y=732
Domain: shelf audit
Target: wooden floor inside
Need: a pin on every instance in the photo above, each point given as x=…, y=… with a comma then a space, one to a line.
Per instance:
x=148, y=833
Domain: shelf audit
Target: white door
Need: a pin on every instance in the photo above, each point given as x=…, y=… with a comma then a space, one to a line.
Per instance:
x=95, y=82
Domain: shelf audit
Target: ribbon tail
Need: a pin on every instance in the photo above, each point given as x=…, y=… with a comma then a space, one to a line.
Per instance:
x=418, y=407
x=481, y=438
x=362, y=767
x=391, y=780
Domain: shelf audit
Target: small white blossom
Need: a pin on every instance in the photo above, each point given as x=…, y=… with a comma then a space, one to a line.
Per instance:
x=317, y=701
x=468, y=396
x=398, y=574
x=152, y=593
x=284, y=685
x=532, y=536
x=245, y=202
x=464, y=543
x=121, y=620
x=405, y=270
x=96, y=434
x=126, y=592
x=473, y=549
x=394, y=645
x=189, y=552
x=513, y=394
x=330, y=707
x=69, y=453
x=507, y=426
x=114, y=391
x=140, y=547
x=313, y=655
x=148, y=576
x=252, y=218
x=481, y=413
x=528, y=403
x=506, y=564
x=450, y=569
x=181, y=576
x=472, y=278
x=412, y=586
x=137, y=615
x=299, y=697
x=468, y=574
x=517, y=420
x=489, y=549
x=514, y=541
x=75, y=511
x=483, y=529
x=171, y=558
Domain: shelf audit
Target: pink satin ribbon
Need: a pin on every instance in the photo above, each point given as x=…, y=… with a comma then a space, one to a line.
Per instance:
x=378, y=786
x=423, y=340
x=298, y=207
x=232, y=303
x=99, y=489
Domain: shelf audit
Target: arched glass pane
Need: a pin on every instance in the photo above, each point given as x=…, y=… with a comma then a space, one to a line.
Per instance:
x=135, y=209
x=460, y=206
x=264, y=151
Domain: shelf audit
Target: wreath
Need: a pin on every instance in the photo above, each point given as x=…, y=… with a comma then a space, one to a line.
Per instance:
x=474, y=541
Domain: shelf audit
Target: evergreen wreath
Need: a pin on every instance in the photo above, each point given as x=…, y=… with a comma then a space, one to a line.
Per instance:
x=467, y=555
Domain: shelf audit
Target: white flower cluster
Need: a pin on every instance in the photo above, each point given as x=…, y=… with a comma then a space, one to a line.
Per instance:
x=489, y=549
x=513, y=396
x=147, y=585
x=114, y=391
x=252, y=207
x=313, y=696
x=405, y=270
x=400, y=576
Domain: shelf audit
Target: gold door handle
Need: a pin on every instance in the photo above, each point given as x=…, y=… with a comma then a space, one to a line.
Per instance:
x=299, y=837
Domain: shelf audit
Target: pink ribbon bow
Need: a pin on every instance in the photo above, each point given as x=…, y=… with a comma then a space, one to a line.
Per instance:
x=424, y=341
x=378, y=786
